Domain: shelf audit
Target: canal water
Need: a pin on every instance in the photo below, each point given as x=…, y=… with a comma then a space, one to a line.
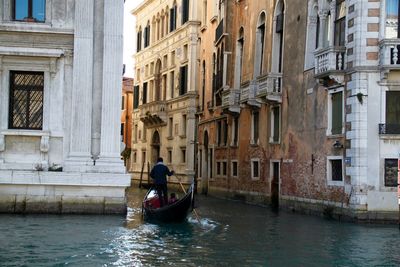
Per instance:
x=228, y=234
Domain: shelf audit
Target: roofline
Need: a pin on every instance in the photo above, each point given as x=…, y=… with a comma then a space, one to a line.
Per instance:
x=139, y=8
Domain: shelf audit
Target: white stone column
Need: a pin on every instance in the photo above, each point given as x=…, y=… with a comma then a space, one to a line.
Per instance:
x=109, y=159
x=80, y=143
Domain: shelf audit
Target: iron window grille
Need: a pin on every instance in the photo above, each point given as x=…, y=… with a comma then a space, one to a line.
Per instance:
x=337, y=172
x=26, y=100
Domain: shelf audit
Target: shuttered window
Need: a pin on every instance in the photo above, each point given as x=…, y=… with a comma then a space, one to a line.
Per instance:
x=393, y=107
x=337, y=112
x=144, y=100
x=136, y=97
x=276, y=122
x=185, y=11
x=172, y=19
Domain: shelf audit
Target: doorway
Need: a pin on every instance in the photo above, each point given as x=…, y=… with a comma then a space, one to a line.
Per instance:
x=155, y=147
x=275, y=185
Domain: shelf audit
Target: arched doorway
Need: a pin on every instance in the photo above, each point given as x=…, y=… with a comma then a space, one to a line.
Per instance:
x=155, y=146
x=205, y=169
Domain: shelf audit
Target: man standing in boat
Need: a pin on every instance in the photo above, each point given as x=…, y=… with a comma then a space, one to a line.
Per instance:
x=159, y=175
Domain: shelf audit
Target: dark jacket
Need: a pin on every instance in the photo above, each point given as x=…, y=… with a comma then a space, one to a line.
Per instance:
x=159, y=173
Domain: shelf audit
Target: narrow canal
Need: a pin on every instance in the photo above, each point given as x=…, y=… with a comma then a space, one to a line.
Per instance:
x=228, y=234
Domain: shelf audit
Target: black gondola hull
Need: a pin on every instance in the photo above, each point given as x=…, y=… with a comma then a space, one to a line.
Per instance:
x=176, y=212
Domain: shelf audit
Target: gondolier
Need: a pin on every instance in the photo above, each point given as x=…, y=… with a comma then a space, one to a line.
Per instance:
x=159, y=175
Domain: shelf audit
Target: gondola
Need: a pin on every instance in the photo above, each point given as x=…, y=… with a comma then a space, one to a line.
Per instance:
x=175, y=212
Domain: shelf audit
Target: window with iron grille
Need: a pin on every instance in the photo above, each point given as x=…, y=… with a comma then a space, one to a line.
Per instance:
x=336, y=169
x=26, y=100
x=29, y=10
x=391, y=169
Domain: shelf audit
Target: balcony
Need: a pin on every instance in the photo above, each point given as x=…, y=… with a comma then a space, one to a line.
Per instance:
x=330, y=62
x=270, y=87
x=231, y=100
x=389, y=54
x=389, y=128
x=154, y=114
x=248, y=94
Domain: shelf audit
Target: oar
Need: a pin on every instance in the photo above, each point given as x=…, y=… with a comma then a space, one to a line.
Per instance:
x=184, y=191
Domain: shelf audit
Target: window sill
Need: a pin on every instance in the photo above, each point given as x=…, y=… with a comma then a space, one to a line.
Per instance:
x=170, y=138
x=335, y=183
x=389, y=136
x=203, y=28
x=329, y=135
x=17, y=132
x=182, y=136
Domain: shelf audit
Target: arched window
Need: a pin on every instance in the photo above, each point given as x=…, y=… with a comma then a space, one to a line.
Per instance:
x=139, y=40
x=260, y=43
x=239, y=58
x=147, y=35
x=312, y=34
x=277, y=47
x=185, y=11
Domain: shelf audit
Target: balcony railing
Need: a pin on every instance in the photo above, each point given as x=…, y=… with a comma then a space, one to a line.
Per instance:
x=248, y=94
x=219, y=31
x=231, y=100
x=330, y=60
x=270, y=87
x=389, y=53
x=389, y=128
x=154, y=113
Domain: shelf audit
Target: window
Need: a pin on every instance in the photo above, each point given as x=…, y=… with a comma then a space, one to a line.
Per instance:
x=392, y=112
x=144, y=96
x=312, y=34
x=392, y=19
x=218, y=168
x=139, y=40
x=275, y=124
x=234, y=169
x=335, y=119
x=254, y=127
x=123, y=103
x=391, y=169
x=135, y=133
x=235, y=131
x=259, y=51
x=277, y=46
x=143, y=156
x=147, y=35
x=185, y=52
x=185, y=11
x=335, y=170
x=222, y=132
x=172, y=17
x=136, y=97
x=224, y=168
x=172, y=83
x=203, y=85
x=169, y=159
x=134, y=158
x=255, y=169
x=173, y=58
x=239, y=59
x=183, y=80
x=183, y=155
x=29, y=10
x=340, y=22
x=184, y=122
x=122, y=131
x=26, y=100
x=170, y=127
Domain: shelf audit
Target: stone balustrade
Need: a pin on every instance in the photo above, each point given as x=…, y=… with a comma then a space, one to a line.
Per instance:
x=329, y=60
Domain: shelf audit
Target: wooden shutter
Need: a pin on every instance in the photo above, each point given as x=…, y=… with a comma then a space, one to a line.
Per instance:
x=337, y=113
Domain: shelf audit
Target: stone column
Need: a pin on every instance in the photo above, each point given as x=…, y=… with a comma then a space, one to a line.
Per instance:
x=110, y=142
x=81, y=108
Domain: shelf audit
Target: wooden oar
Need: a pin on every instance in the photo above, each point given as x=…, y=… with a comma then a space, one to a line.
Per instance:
x=184, y=191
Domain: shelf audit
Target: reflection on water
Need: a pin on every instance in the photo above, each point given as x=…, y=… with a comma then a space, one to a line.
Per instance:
x=228, y=234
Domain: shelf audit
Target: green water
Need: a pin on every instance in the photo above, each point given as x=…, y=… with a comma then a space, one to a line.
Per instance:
x=228, y=234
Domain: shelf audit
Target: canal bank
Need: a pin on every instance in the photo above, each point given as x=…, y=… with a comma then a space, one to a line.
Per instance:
x=340, y=211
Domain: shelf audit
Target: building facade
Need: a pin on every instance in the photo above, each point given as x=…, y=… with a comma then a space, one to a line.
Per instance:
x=165, y=91
x=60, y=93
x=298, y=105
x=126, y=119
